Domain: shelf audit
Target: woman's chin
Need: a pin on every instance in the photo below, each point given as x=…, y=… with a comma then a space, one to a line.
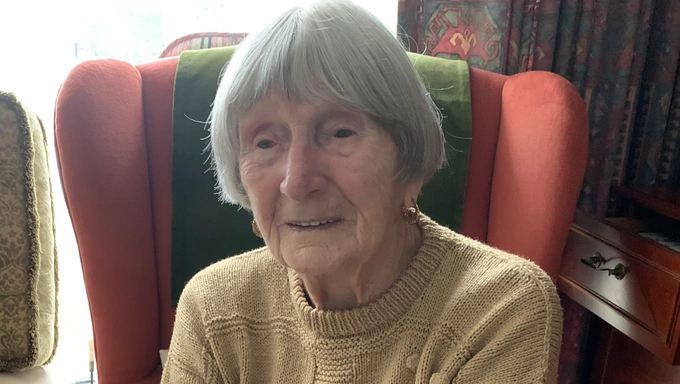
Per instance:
x=313, y=263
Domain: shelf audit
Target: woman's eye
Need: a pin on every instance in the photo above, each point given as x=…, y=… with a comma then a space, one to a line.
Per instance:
x=265, y=144
x=343, y=133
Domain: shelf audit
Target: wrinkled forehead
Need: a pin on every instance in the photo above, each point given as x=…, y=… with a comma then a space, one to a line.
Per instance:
x=311, y=90
x=274, y=107
x=293, y=100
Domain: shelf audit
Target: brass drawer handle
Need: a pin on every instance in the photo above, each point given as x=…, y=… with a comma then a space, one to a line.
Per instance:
x=596, y=261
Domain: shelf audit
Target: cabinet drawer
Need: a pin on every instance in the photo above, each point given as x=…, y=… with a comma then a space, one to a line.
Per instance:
x=642, y=294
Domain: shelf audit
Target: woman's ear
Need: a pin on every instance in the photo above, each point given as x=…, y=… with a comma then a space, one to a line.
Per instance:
x=412, y=192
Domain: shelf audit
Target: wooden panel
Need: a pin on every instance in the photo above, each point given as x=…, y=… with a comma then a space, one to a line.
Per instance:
x=646, y=294
x=618, y=320
x=601, y=332
x=632, y=244
x=622, y=361
x=662, y=199
x=646, y=307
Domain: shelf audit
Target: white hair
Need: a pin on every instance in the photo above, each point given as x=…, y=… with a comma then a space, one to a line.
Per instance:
x=331, y=51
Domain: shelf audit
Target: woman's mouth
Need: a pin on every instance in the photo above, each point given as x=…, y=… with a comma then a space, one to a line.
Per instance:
x=312, y=225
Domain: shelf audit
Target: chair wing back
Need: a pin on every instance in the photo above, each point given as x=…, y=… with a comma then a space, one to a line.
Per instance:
x=537, y=165
x=113, y=125
x=567, y=124
x=112, y=136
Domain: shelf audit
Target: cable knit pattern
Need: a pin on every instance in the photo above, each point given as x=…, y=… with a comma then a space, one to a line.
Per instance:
x=462, y=312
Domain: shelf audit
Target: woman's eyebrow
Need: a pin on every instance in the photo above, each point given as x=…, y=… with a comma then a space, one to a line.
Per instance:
x=339, y=113
x=253, y=126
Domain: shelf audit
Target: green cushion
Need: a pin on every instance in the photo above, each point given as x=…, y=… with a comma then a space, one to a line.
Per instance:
x=204, y=231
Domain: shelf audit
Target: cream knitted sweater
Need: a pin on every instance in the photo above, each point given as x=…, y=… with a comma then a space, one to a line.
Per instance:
x=462, y=312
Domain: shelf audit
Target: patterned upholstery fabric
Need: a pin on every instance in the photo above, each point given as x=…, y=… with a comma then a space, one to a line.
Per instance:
x=202, y=40
x=28, y=269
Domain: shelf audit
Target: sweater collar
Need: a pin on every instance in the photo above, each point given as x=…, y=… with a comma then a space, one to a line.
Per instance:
x=388, y=307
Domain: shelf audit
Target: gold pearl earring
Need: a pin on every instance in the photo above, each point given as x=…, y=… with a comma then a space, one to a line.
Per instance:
x=410, y=214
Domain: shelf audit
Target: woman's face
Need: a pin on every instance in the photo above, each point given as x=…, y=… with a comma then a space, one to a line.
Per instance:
x=321, y=183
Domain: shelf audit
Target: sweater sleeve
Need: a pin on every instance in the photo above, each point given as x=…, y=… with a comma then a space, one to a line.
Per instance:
x=520, y=340
x=190, y=360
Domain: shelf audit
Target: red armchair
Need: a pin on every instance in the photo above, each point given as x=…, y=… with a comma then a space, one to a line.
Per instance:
x=113, y=137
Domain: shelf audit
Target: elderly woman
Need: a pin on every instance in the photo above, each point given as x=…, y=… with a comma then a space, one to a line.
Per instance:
x=323, y=129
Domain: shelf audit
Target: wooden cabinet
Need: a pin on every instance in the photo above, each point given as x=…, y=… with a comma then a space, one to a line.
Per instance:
x=629, y=277
x=621, y=360
x=642, y=301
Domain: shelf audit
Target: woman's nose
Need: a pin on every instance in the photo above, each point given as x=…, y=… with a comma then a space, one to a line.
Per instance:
x=302, y=173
